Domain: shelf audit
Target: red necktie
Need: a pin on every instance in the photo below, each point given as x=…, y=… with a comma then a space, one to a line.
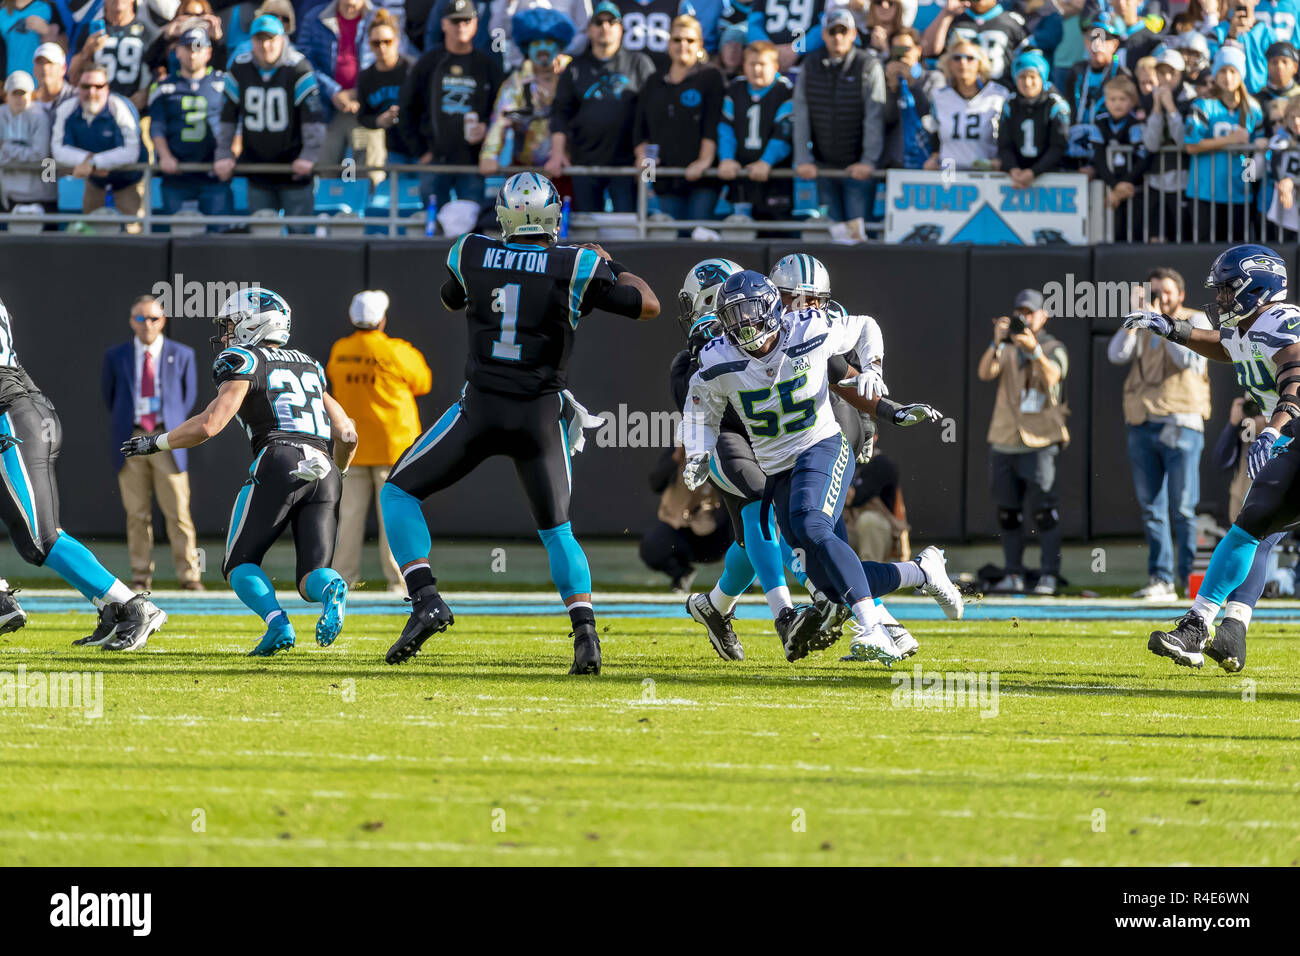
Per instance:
x=149, y=420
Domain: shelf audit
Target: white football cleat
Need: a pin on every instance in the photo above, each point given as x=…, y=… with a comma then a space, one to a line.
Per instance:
x=873, y=644
x=907, y=645
x=937, y=583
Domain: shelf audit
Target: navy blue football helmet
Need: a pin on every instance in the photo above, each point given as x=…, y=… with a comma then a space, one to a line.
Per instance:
x=1244, y=278
x=749, y=309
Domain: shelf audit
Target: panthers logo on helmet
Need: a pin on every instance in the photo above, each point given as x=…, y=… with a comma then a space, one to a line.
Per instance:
x=710, y=273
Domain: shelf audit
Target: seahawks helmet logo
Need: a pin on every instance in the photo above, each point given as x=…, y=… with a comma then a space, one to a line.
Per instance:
x=1264, y=264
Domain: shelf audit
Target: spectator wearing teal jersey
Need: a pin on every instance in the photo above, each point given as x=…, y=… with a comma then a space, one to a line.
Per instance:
x=1217, y=128
x=1254, y=37
x=25, y=25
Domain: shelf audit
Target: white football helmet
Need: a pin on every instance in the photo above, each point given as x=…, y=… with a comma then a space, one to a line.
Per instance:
x=529, y=205
x=697, y=299
x=253, y=316
x=802, y=275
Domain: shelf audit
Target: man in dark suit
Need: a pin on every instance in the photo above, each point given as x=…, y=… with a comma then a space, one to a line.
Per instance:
x=149, y=387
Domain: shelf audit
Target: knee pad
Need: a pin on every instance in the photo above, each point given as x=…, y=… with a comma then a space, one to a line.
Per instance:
x=1008, y=520
x=1047, y=518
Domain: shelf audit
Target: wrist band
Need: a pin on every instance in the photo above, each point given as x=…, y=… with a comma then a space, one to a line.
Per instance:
x=886, y=409
x=162, y=442
x=615, y=268
x=1038, y=352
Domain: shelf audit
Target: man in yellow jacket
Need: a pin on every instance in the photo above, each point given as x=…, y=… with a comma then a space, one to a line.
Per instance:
x=376, y=378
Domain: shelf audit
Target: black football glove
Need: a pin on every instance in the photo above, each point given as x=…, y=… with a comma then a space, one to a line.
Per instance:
x=140, y=445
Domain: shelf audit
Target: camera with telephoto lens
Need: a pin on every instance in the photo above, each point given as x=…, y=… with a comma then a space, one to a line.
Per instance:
x=1017, y=325
x=1250, y=408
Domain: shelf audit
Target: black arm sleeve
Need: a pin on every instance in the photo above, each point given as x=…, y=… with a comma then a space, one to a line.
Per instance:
x=619, y=299
x=453, y=296
x=662, y=474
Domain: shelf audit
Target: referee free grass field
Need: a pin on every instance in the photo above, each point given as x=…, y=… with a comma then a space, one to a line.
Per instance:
x=482, y=751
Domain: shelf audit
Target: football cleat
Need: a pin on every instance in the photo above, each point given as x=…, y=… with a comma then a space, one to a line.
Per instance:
x=104, y=629
x=586, y=650
x=137, y=619
x=721, y=635
x=1183, y=644
x=874, y=644
x=429, y=615
x=330, y=624
x=796, y=626
x=831, y=616
x=279, y=636
x=1226, y=645
x=12, y=616
x=907, y=645
x=937, y=583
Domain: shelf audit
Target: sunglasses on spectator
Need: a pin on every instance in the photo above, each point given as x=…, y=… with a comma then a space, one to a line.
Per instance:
x=381, y=41
x=151, y=318
x=92, y=86
x=838, y=30
x=683, y=40
x=963, y=57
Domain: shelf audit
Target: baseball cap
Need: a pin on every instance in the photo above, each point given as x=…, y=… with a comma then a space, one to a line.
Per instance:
x=195, y=38
x=368, y=308
x=20, y=80
x=1283, y=48
x=1030, y=299
x=840, y=16
x=1191, y=40
x=1168, y=57
x=1102, y=24
x=50, y=51
x=461, y=10
x=608, y=8
x=267, y=23
x=736, y=33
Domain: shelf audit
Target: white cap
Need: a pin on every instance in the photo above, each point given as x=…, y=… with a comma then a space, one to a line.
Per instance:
x=20, y=80
x=368, y=308
x=52, y=52
x=1172, y=58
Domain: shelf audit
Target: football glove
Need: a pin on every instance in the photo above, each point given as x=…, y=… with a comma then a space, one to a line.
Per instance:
x=909, y=415
x=140, y=445
x=696, y=471
x=870, y=384
x=1261, y=449
x=1146, y=319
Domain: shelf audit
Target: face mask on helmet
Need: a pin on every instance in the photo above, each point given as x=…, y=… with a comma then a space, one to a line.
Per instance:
x=749, y=323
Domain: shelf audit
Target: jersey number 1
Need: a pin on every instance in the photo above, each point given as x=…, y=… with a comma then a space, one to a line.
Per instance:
x=506, y=301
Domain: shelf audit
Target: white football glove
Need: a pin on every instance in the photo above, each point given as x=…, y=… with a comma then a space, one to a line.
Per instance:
x=696, y=471
x=870, y=384
x=1146, y=319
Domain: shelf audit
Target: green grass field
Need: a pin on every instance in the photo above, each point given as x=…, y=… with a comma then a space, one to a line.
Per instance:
x=482, y=751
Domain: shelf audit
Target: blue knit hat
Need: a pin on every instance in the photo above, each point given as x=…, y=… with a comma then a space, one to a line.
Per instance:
x=541, y=23
x=1031, y=60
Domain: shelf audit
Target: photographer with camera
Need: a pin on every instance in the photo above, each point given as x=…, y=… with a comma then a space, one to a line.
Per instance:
x=1026, y=436
x=1166, y=405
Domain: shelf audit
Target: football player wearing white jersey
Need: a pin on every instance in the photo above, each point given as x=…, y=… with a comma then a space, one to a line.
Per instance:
x=1260, y=335
x=772, y=366
x=964, y=115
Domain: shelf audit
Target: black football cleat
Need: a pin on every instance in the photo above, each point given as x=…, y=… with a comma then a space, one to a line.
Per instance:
x=796, y=627
x=831, y=616
x=1183, y=644
x=12, y=616
x=429, y=616
x=586, y=650
x=718, y=625
x=104, y=629
x=137, y=619
x=1227, y=645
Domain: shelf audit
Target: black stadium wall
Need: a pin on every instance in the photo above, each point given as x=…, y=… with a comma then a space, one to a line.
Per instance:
x=70, y=298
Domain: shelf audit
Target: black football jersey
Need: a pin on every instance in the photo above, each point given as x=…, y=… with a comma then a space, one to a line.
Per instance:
x=523, y=305
x=14, y=381
x=785, y=21
x=756, y=120
x=285, y=399
x=271, y=110
x=122, y=55
x=646, y=27
x=999, y=32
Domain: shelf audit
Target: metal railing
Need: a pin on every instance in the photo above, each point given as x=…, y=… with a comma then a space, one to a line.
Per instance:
x=395, y=221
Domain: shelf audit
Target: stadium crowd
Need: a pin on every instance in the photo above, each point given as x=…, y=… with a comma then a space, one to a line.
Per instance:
x=1186, y=112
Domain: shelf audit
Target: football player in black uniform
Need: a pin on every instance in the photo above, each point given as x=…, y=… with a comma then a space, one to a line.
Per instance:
x=279, y=397
x=523, y=297
x=30, y=438
x=273, y=99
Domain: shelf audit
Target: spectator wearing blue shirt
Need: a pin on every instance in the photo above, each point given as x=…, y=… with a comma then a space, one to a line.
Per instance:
x=95, y=134
x=184, y=116
x=25, y=25
x=1216, y=130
